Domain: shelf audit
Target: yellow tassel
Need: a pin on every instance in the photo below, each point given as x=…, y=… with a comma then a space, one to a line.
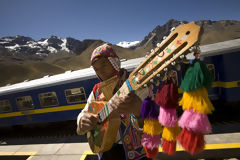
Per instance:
x=152, y=127
x=197, y=100
x=171, y=133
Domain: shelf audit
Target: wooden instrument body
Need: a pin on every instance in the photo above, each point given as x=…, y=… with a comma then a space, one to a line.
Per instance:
x=102, y=137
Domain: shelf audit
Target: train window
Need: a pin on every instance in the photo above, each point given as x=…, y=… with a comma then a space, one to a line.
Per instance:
x=211, y=68
x=48, y=99
x=25, y=103
x=5, y=106
x=75, y=95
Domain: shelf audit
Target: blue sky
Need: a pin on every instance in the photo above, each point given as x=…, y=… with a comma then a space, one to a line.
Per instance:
x=109, y=20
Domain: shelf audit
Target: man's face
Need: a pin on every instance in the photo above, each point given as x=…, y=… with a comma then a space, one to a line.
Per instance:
x=103, y=68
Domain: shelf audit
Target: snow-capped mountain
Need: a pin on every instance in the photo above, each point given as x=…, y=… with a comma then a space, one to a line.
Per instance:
x=126, y=44
x=44, y=46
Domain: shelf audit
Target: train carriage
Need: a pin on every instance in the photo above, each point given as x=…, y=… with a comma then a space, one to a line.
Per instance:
x=61, y=97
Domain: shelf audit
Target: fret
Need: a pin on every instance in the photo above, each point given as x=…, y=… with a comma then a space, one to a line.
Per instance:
x=107, y=109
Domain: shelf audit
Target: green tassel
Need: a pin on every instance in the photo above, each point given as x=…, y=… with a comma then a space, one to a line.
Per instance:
x=197, y=76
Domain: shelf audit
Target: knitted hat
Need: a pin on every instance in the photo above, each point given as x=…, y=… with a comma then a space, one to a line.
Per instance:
x=107, y=51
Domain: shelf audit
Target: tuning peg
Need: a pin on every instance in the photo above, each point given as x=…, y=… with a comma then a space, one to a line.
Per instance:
x=137, y=79
x=182, y=56
x=157, y=83
x=151, y=80
x=178, y=67
x=145, y=85
x=173, y=29
x=164, y=37
x=173, y=63
x=158, y=44
x=165, y=69
x=152, y=50
x=158, y=75
x=191, y=49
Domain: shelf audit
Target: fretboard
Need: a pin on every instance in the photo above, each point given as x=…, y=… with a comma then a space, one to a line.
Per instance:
x=107, y=109
x=126, y=88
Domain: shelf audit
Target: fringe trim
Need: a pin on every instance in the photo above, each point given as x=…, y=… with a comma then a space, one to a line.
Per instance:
x=197, y=100
x=167, y=117
x=195, y=122
x=192, y=142
x=152, y=127
x=169, y=147
x=171, y=133
x=151, y=141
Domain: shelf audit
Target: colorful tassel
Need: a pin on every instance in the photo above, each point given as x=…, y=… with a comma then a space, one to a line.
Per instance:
x=196, y=106
x=149, y=109
x=195, y=121
x=197, y=100
x=151, y=153
x=170, y=133
x=168, y=96
x=169, y=147
x=192, y=142
x=152, y=128
x=167, y=117
x=197, y=76
x=151, y=141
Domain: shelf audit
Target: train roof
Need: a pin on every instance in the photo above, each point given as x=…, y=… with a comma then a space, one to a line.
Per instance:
x=220, y=48
x=88, y=73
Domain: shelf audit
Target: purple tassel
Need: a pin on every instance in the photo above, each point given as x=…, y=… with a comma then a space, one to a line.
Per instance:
x=149, y=109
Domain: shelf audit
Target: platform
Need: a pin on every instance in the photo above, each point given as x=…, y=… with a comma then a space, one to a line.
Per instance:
x=225, y=145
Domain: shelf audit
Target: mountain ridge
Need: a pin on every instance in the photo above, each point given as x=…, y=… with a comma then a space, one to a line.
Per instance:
x=62, y=54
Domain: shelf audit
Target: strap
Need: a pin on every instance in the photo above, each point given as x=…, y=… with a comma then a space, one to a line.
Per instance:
x=125, y=133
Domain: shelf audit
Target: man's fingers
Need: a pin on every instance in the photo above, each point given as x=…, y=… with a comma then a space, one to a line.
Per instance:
x=94, y=119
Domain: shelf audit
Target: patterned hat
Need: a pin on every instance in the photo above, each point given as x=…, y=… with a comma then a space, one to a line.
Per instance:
x=107, y=51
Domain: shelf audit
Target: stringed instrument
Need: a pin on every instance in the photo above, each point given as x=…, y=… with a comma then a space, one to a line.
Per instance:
x=174, y=47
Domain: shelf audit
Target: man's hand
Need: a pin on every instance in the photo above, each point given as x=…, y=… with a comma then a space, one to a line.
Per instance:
x=88, y=121
x=129, y=104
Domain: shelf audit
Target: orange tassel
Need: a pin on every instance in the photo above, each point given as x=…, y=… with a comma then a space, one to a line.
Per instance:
x=151, y=153
x=169, y=147
x=191, y=142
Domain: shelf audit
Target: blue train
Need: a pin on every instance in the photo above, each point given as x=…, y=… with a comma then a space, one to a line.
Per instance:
x=61, y=97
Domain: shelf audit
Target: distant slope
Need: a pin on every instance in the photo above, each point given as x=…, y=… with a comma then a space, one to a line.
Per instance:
x=17, y=67
x=14, y=73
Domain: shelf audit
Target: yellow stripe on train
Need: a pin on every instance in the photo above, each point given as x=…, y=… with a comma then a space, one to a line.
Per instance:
x=43, y=110
x=221, y=84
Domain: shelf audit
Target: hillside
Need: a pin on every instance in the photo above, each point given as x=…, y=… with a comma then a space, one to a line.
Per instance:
x=23, y=58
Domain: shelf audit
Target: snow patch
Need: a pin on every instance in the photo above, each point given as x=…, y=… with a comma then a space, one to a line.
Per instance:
x=43, y=43
x=13, y=47
x=51, y=49
x=32, y=44
x=126, y=44
x=64, y=45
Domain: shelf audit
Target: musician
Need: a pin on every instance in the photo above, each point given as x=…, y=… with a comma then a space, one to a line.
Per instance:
x=106, y=64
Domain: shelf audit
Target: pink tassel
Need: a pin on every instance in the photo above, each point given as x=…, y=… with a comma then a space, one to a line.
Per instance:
x=151, y=142
x=195, y=122
x=167, y=117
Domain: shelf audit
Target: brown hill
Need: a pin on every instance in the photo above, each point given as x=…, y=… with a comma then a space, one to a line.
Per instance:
x=16, y=68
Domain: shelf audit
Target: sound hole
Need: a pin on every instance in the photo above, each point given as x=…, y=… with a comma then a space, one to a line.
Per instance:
x=188, y=32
